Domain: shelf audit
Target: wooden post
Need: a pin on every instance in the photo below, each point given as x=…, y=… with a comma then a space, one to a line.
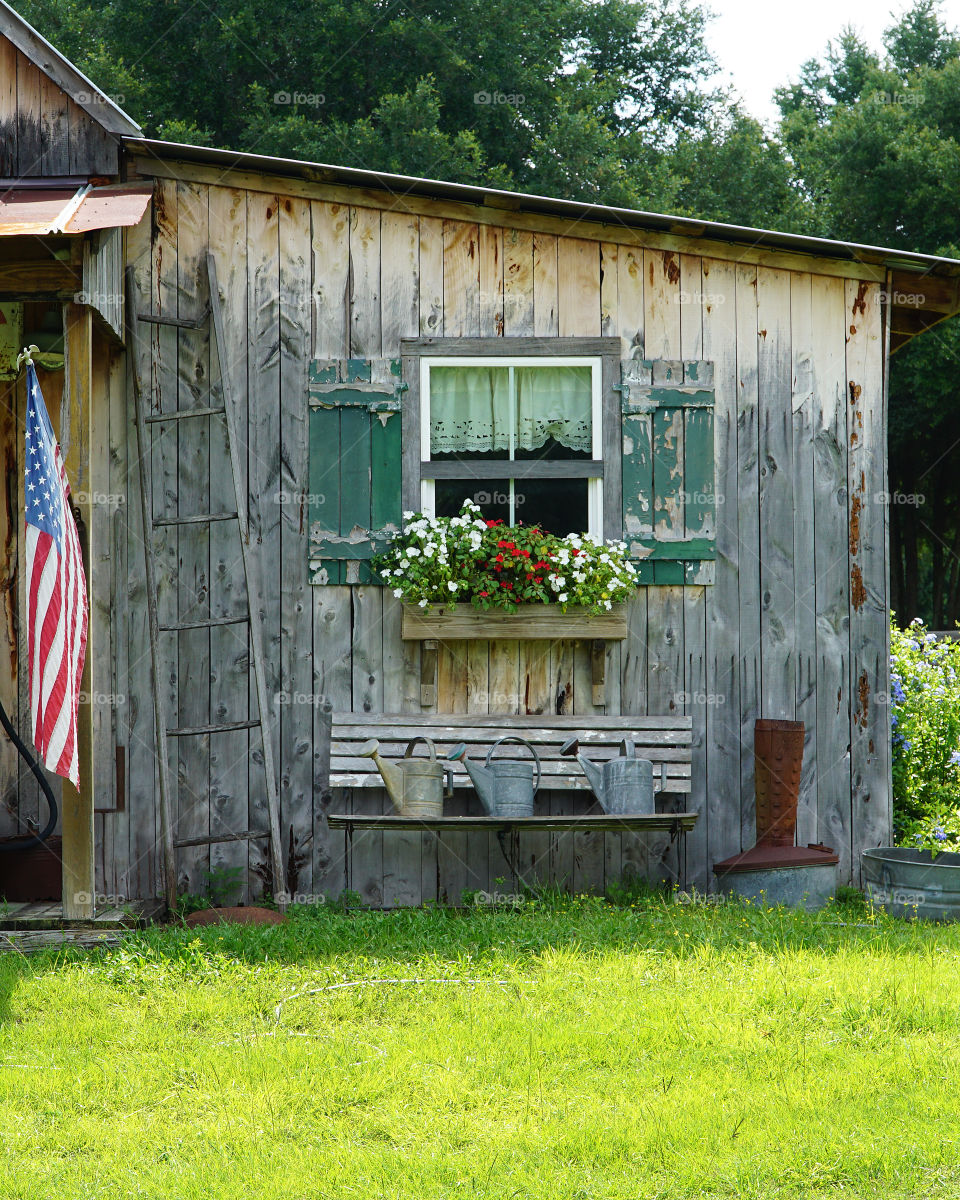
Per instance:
x=76, y=438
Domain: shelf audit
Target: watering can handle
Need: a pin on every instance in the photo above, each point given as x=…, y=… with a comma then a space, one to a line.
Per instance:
x=408, y=753
x=523, y=742
x=448, y=790
x=628, y=748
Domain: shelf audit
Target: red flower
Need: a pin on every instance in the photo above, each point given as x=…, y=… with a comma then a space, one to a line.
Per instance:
x=490, y=524
x=507, y=585
x=525, y=553
x=499, y=558
x=537, y=579
x=483, y=593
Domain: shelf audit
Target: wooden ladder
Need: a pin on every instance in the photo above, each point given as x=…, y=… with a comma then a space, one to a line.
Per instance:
x=252, y=617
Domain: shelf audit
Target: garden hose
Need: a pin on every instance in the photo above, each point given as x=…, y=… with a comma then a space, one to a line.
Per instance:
x=35, y=839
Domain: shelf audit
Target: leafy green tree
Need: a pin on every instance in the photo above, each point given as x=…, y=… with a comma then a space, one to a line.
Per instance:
x=556, y=97
x=876, y=148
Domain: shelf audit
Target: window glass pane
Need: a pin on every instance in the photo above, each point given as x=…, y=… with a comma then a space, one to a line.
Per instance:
x=493, y=496
x=554, y=406
x=557, y=505
x=470, y=411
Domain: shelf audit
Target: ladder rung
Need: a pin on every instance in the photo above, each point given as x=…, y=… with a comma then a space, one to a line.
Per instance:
x=196, y=519
x=208, y=624
x=183, y=414
x=176, y=322
x=191, y=730
x=250, y=835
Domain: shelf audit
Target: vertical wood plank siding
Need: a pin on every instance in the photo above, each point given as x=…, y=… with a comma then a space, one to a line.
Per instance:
x=43, y=131
x=794, y=625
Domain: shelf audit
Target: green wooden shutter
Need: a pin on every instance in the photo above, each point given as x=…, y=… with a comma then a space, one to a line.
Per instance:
x=669, y=501
x=355, y=467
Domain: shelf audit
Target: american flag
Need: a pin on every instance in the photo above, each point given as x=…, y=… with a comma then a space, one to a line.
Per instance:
x=56, y=593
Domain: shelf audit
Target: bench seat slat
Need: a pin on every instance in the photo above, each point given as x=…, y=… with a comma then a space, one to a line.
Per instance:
x=394, y=751
x=516, y=721
x=558, y=783
x=474, y=735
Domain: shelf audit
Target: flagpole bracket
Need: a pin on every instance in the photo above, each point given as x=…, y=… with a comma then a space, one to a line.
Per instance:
x=25, y=357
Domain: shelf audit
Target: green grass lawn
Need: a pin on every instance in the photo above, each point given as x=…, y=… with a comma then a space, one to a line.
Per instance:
x=577, y=1050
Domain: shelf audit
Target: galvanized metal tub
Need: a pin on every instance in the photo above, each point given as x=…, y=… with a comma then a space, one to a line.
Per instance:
x=913, y=883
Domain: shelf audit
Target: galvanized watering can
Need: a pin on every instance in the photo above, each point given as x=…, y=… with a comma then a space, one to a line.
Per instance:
x=623, y=785
x=415, y=785
x=505, y=786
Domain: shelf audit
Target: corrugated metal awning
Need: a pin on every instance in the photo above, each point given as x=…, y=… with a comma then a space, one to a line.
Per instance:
x=26, y=211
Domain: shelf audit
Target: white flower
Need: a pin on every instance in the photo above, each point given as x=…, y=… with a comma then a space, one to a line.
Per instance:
x=607, y=604
x=407, y=516
x=404, y=562
x=413, y=552
x=422, y=603
x=398, y=592
x=429, y=550
x=562, y=597
x=452, y=586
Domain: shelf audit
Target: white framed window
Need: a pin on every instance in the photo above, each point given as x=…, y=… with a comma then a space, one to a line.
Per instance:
x=527, y=427
x=520, y=435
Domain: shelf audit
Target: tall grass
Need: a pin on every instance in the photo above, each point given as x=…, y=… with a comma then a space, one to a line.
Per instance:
x=573, y=1050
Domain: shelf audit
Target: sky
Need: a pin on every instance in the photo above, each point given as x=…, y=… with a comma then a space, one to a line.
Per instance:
x=761, y=45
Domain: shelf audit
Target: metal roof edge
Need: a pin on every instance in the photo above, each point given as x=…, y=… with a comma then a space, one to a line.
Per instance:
x=576, y=210
x=109, y=115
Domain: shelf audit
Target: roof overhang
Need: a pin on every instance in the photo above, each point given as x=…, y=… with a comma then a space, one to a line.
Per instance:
x=925, y=288
x=40, y=211
x=65, y=75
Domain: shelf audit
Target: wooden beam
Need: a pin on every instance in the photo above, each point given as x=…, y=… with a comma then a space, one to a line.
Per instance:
x=76, y=442
x=458, y=210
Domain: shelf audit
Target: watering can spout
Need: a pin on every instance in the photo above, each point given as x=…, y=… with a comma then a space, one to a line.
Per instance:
x=392, y=775
x=593, y=773
x=480, y=776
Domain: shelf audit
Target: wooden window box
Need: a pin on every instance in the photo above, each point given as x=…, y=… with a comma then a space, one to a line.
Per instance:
x=463, y=622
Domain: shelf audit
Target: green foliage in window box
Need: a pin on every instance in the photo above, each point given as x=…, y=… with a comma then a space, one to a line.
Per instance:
x=440, y=560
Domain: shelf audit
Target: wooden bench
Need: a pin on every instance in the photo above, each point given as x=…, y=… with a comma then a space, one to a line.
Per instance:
x=460, y=850
x=665, y=741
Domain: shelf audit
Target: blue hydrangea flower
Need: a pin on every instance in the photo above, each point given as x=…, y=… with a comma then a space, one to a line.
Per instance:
x=940, y=834
x=955, y=758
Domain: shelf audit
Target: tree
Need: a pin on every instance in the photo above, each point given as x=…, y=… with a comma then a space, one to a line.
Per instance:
x=556, y=97
x=876, y=148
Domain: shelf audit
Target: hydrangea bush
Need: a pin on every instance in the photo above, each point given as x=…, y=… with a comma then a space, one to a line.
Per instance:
x=925, y=730
x=438, y=560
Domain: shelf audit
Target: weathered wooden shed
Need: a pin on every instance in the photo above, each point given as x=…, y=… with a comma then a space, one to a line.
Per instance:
x=738, y=442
